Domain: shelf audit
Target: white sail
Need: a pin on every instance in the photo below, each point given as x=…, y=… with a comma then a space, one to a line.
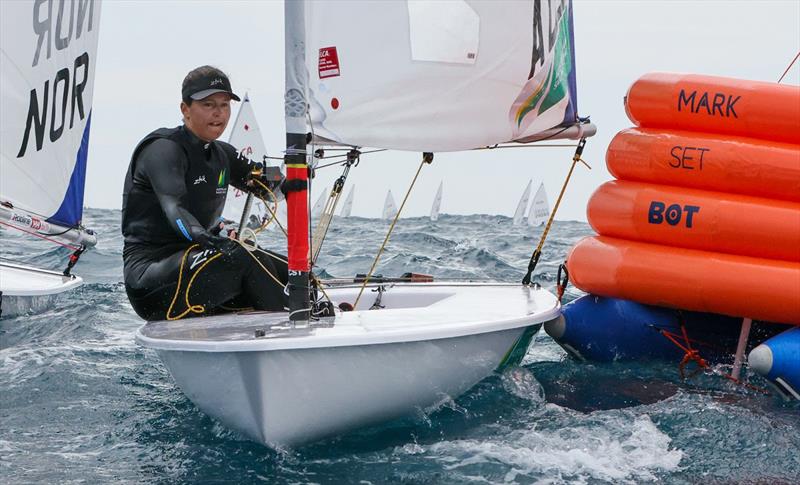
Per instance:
x=437, y=203
x=347, y=208
x=319, y=205
x=483, y=72
x=389, y=207
x=522, y=205
x=540, y=207
x=247, y=139
x=48, y=58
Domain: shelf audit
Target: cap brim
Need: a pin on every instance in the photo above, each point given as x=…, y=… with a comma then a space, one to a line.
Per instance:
x=208, y=92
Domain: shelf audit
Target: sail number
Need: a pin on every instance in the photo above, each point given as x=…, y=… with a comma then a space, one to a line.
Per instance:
x=57, y=24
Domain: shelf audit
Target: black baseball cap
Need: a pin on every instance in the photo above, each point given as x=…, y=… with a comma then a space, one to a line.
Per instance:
x=205, y=81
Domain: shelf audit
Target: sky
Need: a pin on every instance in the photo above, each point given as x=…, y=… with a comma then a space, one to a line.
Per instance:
x=146, y=47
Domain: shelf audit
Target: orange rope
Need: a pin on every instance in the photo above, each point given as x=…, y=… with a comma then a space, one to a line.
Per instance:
x=693, y=355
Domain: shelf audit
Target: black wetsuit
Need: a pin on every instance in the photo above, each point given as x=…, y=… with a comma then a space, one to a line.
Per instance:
x=173, y=198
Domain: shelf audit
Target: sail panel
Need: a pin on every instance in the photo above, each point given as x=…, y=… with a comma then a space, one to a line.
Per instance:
x=437, y=203
x=519, y=213
x=389, y=207
x=347, y=208
x=505, y=72
x=247, y=139
x=48, y=57
x=540, y=208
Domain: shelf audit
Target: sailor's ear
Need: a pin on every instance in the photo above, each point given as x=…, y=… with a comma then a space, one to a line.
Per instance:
x=184, y=109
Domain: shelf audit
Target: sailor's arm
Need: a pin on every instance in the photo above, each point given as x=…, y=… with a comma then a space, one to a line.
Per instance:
x=164, y=164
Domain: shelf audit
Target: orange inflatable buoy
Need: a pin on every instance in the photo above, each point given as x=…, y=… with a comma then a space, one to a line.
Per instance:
x=739, y=286
x=703, y=161
x=712, y=104
x=697, y=219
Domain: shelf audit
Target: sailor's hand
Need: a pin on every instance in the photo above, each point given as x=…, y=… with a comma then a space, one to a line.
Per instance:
x=213, y=241
x=264, y=182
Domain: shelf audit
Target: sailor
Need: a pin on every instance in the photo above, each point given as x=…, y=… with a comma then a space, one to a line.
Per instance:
x=178, y=261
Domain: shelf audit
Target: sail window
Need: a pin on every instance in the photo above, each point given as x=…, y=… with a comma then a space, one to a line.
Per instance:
x=443, y=31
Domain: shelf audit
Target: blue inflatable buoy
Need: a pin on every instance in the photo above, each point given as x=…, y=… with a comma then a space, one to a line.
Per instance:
x=611, y=329
x=778, y=359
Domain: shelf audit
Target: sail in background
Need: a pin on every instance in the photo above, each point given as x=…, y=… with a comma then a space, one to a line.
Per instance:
x=47, y=85
x=389, y=207
x=319, y=205
x=449, y=75
x=540, y=207
x=347, y=208
x=522, y=205
x=437, y=203
x=247, y=139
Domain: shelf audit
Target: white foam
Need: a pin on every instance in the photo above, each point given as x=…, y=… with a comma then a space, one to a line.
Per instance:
x=607, y=447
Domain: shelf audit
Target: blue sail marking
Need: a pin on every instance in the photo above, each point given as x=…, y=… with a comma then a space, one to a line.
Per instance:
x=71, y=210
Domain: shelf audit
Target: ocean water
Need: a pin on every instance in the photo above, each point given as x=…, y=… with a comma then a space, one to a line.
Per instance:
x=80, y=402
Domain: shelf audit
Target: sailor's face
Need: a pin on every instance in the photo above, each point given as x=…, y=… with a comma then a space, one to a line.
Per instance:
x=208, y=117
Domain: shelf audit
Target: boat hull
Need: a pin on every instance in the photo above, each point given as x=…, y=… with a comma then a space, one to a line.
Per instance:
x=291, y=397
x=26, y=289
x=285, y=386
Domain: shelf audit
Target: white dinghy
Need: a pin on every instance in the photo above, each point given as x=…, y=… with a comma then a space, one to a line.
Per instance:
x=469, y=81
x=347, y=208
x=540, y=208
x=389, y=207
x=437, y=203
x=519, y=212
x=46, y=99
x=285, y=386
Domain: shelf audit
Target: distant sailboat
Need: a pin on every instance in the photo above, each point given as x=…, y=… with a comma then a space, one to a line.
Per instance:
x=522, y=206
x=348, y=203
x=437, y=203
x=319, y=205
x=389, y=207
x=540, y=207
x=246, y=138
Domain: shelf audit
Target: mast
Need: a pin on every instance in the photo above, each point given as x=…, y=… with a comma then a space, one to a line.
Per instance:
x=296, y=109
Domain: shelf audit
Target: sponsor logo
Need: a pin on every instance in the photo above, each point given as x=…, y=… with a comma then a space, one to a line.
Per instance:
x=216, y=81
x=200, y=179
x=328, y=62
x=222, y=182
x=21, y=219
x=29, y=221
x=200, y=257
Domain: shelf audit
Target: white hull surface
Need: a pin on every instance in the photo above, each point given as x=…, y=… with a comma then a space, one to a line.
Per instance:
x=28, y=289
x=428, y=344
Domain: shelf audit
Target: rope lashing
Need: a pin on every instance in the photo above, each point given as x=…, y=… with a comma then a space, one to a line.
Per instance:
x=537, y=253
x=693, y=355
